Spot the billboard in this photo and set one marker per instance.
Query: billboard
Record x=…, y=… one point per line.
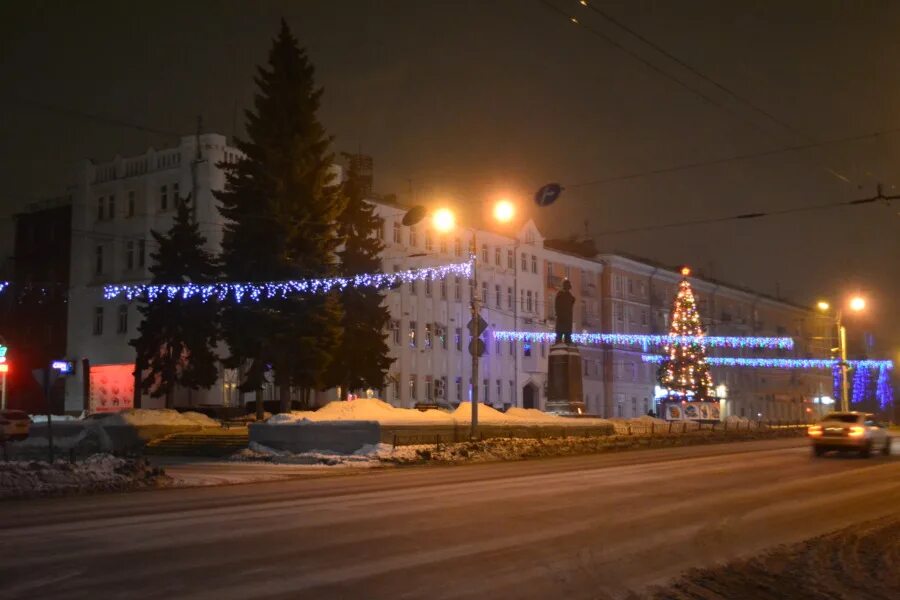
x=691, y=411
x=112, y=387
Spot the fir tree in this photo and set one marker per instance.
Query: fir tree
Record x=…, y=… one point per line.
x=684, y=373
x=280, y=208
x=362, y=360
x=177, y=338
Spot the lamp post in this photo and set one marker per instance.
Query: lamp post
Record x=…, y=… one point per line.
x=856, y=304
x=444, y=221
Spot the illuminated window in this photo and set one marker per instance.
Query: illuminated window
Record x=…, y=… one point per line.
x=398, y=239
x=429, y=335
x=412, y=334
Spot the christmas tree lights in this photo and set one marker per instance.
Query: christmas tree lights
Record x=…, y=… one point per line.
x=3, y=285
x=281, y=289
x=647, y=341
x=884, y=390
x=684, y=372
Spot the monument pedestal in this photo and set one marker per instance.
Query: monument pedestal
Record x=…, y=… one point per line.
x=565, y=393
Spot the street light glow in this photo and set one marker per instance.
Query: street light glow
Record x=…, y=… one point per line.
x=504, y=211
x=857, y=303
x=823, y=306
x=443, y=220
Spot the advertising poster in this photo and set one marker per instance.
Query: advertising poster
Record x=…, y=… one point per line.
x=692, y=411
x=112, y=388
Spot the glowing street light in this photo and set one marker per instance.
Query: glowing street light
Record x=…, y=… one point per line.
x=823, y=306
x=504, y=211
x=443, y=220
x=856, y=304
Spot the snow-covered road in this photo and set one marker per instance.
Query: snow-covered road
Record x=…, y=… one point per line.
x=583, y=527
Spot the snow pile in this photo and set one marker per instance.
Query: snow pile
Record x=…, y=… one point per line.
x=363, y=409
x=735, y=420
x=530, y=414
x=100, y=472
x=142, y=417
x=56, y=418
x=367, y=456
x=647, y=420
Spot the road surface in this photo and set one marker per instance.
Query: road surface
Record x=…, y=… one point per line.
x=582, y=527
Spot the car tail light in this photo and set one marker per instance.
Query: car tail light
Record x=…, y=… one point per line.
x=814, y=430
x=857, y=431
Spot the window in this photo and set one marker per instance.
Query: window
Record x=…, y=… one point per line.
x=457, y=290
x=486, y=390
x=397, y=234
x=98, y=320
x=175, y=198
x=459, y=389
x=618, y=284
x=441, y=332
x=497, y=347
x=163, y=198
x=443, y=289
x=111, y=207
x=413, y=239
x=129, y=254
x=443, y=245
x=509, y=298
x=142, y=252
x=512, y=347
x=98, y=258
x=499, y=391
x=429, y=242
x=428, y=286
x=526, y=348
x=412, y=388
x=412, y=334
x=643, y=317
x=528, y=302
x=484, y=292
x=484, y=253
x=413, y=286
x=510, y=259
x=123, y=319
x=457, y=339
x=497, y=255
x=379, y=231
x=630, y=285
x=429, y=387
x=429, y=335
x=457, y=247
x=549, y=272
x=543, y=349
x=533, y=263
x=512, y=392
x=395, y=331
x=567, y=270
x=100, y=208
x=440, y=387
x=396, y=388
x=130, y=204
x=498, y=296
x=524, y=262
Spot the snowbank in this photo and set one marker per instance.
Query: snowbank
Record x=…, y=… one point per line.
x=101, y=472
x=56, y=418
x=363, y=409
x=158, y=416
x=530, y=414
x=369, y=455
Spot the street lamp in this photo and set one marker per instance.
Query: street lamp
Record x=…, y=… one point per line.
x=444, y=221
x=856, y=304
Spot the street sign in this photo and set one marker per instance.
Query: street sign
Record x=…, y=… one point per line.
x=63, y=367
x=476, y=347
x=548, y=194
x=482, y=326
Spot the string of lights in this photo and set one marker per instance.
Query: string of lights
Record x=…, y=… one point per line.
x=281, y=289
x=884, y=391
x=782, y=363
x=647, y=341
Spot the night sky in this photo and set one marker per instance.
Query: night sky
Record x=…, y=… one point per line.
x=462, y=101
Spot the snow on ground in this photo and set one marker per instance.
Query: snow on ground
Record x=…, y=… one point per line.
x=367, y=456
x=158, y=416
x=100, y=472
x=56, y=418
x=371, y=409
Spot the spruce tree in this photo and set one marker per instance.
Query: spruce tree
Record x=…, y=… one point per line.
x=362, y=360
x=684, y=373
x=177, y=337
x=280, y=206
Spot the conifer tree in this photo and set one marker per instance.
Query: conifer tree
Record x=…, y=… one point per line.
x=177, y=337
x=684, y=373
x=362, y=360
x=280, y=206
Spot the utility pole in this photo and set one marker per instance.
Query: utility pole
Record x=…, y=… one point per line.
x=476, y=336
x=842, y=343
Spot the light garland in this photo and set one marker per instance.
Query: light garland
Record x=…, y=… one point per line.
x=884, y=391
x=281, y=289
x=860, y=386
x=782, y=363
x=3, y=285
x=647, y=341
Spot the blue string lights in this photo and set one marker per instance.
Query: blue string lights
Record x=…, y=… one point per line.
x=782, y=363
x=281, y=289
x=647, y=341
x=884, y=391
x=3, y=285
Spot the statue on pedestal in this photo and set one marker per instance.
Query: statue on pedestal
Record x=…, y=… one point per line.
x=564, y=304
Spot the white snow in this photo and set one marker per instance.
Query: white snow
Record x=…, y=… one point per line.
x=367, y=456
x=158, y=416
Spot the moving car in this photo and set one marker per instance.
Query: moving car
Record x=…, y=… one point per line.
x=14, y=425
x=854, y=431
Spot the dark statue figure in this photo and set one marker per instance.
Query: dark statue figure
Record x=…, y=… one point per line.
x=564, y=303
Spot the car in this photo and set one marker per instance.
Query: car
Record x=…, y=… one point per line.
x=14, y=425
x=850, y=431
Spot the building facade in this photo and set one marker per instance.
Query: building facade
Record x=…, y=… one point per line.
x=115, y=205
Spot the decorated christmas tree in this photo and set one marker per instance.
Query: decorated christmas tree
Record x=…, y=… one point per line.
x=684, y=373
